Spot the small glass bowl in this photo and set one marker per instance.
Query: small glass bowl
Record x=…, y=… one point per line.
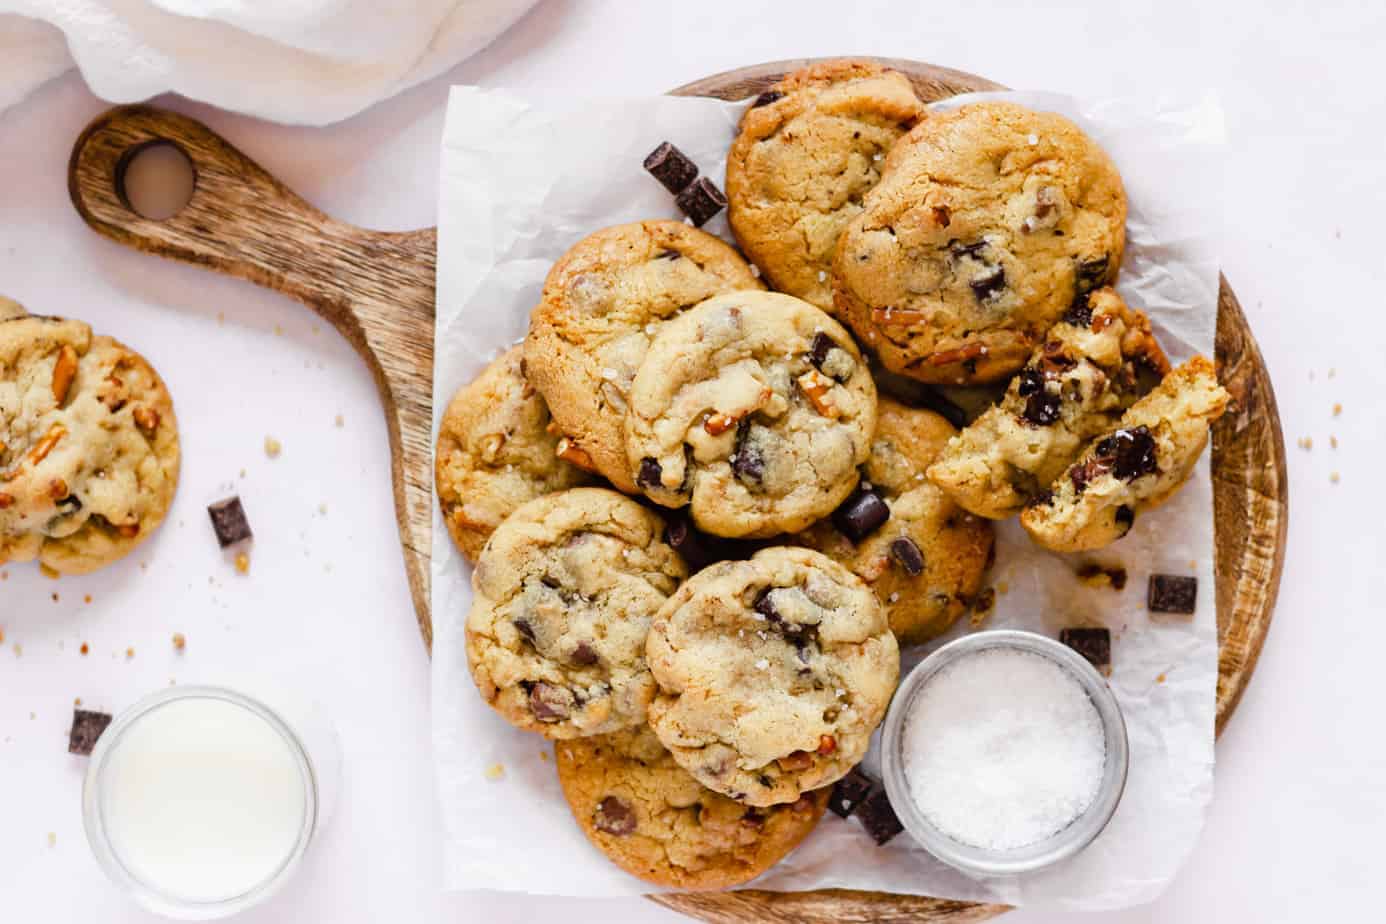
x=149, y=894
x=1063, y=844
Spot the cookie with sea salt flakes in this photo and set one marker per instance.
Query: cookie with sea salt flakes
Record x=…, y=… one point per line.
x=652, y=819
x=1090, y=368
x=1137, y=466
x=89, y=453
x=808, y=150
x=926, y=560
x=564, y=592
x=602, y=304
x=987, y=223
x=496, y=452
x=773, y=672
x=754, y=410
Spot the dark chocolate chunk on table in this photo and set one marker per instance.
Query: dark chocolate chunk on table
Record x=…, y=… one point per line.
x=229, y=522
x=1094, y=644
x=878, y=817
x=701, y=200
x=671, y=167
x=87, y=726
x=849, y=792
x=1172, y=593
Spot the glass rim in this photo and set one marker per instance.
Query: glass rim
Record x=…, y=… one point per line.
x=1065, y=843
x=149, y=894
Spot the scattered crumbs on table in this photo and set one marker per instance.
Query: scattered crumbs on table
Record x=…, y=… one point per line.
x=86, y=598
x=180, y=641
x=495, y=772
x=52, y=839
x=1337, y=409
x=983, y=606
x=1003, y=587
x=242, y=563
x=54, y=595
x=48, y=572
x=129, y=653
x=340, y=421
x=1305, y=442
x=1160, y=679
x=77, y=701
x=273, y=447
x=18, y=650
x=1333, y=442
x=278, y=330
x=1193, y=565
x=544, y=756
x=1333, y=477
x=84, y=650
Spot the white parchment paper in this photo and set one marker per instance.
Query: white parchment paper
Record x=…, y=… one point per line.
x=524, y=179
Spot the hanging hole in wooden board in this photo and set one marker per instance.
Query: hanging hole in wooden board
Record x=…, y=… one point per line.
x=155, y=180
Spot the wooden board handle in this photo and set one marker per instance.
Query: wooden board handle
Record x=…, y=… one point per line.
x=375, y=287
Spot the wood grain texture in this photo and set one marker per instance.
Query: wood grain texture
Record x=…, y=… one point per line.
x=377, y=288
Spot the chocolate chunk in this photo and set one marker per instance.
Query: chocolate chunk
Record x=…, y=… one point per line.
x=229, y=522
x=584, y=655
x=1095, y=645
x=671, y=167
x=650, y=473
x=1080, y=475
x=1042, y=408
x=701, y=200
x=752, y=818
x=523, y=627
x=766, y=607
x=908, y=555
x=960, y=250
x=989, y=284
x=1031, y=381
x=860, y=515
x=86, y=728
x=70, y=504
x=749, y=464
x=613, y=816
x=878, y=817
x=668, y=255
x=1131, y=453
x=766, y=98
x=831, y=359
x=822, y=343
x=689, y=543
x=1092, y=273
x=549, y=703
x=1172, y=593
x=1079, y=314
x=1125, y=516
x=849, y=792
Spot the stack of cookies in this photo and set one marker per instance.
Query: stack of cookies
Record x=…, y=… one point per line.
x=701, y=535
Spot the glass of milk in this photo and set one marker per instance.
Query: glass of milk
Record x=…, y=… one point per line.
x=201, y=802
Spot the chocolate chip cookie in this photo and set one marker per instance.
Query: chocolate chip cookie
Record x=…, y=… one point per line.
x=1134, y=468
x=565, y=590
x=603, y=302
x=89, y=451
x=1077, y=384
x=925, y=560
x=495, y=452
x=988, y=222
x=754, y=410
x=808, y=150
x=773, y=673
x=652, y=819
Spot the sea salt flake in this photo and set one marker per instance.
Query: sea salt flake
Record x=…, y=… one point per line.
x=762, y=664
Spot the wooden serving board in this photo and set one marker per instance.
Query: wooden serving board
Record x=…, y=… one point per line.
x=377, y=288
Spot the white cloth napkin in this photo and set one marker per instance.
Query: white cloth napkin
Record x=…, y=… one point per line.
x=300, y=61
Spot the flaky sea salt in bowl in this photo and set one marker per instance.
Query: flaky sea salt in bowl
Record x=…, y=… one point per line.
x=1004, y=752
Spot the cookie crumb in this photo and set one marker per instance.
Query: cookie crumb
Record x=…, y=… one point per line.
x=340, y=421
x=1337, y=409
x=1333, y=477
x=278, y=331
x=18, y=650
x=1160, y=679
x=1003, y=587
x=1306, y=442
x=48, y=572
x=84, y=650
x=221, y=317
x=54, y=595
x=242, y=563
x=322, y=509
x=180, y=641
x=86, y=598
x=129, y=653
x=77, y=701
x=544, y=756
x=1333, y=442
x=495, y=772
x=273, y=447
x=52, y=839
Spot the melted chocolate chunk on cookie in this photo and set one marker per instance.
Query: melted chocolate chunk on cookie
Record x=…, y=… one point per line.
x=1172, y=593
x=650, y=473
x=525, y=628
x=1081, y=475
x=1079, y=314
x=1092, y=273
x=549, y=703
x=1094, y=644
x=689, y=543
x=860, y=515
x=1125, y=517
x=700, y=201
x=849, y=792
x=1042, y=409
x=1131, y=453
x=958, y=250
x=671, y=167
x=830, y=359
x=766, y=607
x=614, y=816
x=766, y=98
x=904, y=551
x=878, y=817
x=87, y=726
x=584, y=655
x=748, y=463
x=1030, y=381
x=989, y=284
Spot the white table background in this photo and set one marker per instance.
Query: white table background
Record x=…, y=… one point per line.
x=1295, y=830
